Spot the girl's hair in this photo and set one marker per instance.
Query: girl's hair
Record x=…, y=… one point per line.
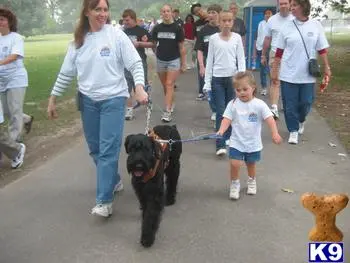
x=83, y=26
x=237, y=80
x=225, y=13
x=168, y=5
x=305, y=5
x=189, y=16
x=214, y=7
x=11, y=18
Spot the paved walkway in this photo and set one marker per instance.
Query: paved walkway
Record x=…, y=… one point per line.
x=45, y=215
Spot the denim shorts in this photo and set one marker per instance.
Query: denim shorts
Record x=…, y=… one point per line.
x=247, y=157
x=164, y=66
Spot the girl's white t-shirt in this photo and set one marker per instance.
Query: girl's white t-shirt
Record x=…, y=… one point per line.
x=247, y=118
x=294, y=64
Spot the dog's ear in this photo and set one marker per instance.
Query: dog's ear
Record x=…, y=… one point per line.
x=127, y=142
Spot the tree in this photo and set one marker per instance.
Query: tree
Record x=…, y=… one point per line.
x=341, y=6
x=30, y=14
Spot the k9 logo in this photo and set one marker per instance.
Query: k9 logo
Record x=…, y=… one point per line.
x=326, y=252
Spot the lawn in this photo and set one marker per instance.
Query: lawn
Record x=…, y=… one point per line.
x=334, y=104
x=43, y=58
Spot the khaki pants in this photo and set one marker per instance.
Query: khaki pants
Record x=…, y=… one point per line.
x=8, y=146
x=12, y=102
x=189, y=45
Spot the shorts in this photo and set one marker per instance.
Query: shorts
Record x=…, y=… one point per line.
x=252, y=157
x=130, y=80
x=171, y=65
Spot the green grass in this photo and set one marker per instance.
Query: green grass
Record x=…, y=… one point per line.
x=43, y=59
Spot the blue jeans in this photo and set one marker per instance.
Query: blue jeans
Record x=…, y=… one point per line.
x=264, y=70
x=222, y=93
x=103, y=124
x=297, y=101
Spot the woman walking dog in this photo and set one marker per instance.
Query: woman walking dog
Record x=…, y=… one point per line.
x=97, y=57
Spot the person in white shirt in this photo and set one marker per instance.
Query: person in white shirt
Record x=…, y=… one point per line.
x=13, y=75
x=97, y=57
x=225, y=59
x=299, y=41
x=260, y=36
x=245, y=115
x=273, y=28
x=13, y=150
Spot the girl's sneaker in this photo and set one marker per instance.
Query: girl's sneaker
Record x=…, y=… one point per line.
x=18, y=161
x=251, y=183
x=235, y=188
x=104, y=210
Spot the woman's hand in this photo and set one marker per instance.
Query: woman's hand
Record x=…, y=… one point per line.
x=183, y=67
x=327, y=72
x=51, y=108
x=141, y=95
x=201, y=71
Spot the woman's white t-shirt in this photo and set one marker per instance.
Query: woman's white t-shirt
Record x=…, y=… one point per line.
x=294, y=63
x=247, y=118
x=14, y=74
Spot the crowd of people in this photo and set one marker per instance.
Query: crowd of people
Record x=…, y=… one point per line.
x=214, y=45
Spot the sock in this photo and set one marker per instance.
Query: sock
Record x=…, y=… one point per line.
x=251, y=178
x=236, y=182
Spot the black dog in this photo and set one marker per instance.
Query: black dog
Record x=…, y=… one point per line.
x=148, y=161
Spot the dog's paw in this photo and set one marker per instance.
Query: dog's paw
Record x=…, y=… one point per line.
x=147, y=242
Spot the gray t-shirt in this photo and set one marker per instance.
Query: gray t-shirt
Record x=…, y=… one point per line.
x=239, y=27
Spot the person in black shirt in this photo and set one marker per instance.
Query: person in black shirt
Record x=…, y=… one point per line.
x=202, y=45
x=171, y=56
x=198, y=11
x=141, y=40
x=238, y=24
x=177, y=18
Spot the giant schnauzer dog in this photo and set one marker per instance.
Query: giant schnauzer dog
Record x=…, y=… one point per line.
x=148, y=161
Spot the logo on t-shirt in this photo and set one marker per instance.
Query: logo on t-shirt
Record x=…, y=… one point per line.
x=253, y=117
x=105, y=52
x=166, y=35
x=310, y=34
x=132, y=37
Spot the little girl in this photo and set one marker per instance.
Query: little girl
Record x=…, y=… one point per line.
x=245, y=114
x=225, y=59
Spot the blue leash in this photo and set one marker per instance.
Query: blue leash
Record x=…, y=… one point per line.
x=194, y=139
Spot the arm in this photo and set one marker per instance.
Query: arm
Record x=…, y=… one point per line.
x=145, y=42
x=327, y=68
x=182, y=56
x=240, y=57
x=200, y=58
x=209, y=66
x=266, y=46
x=65, y=77
x=8, y=59
x=225, y=124
x=276, y=138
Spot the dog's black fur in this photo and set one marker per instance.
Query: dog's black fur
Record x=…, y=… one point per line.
x=143, y=152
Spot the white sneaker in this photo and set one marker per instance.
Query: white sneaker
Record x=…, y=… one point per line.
x=129, y=115
x=213, y=116
x=263, y=92
x=251, y=183
x=104, y=210
x=118, y=187
x=18, y=161
x=301, y=127
x=166, y=117
x=221, y=152
x=293, y=138
x=275, y=113
x=234, y=190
